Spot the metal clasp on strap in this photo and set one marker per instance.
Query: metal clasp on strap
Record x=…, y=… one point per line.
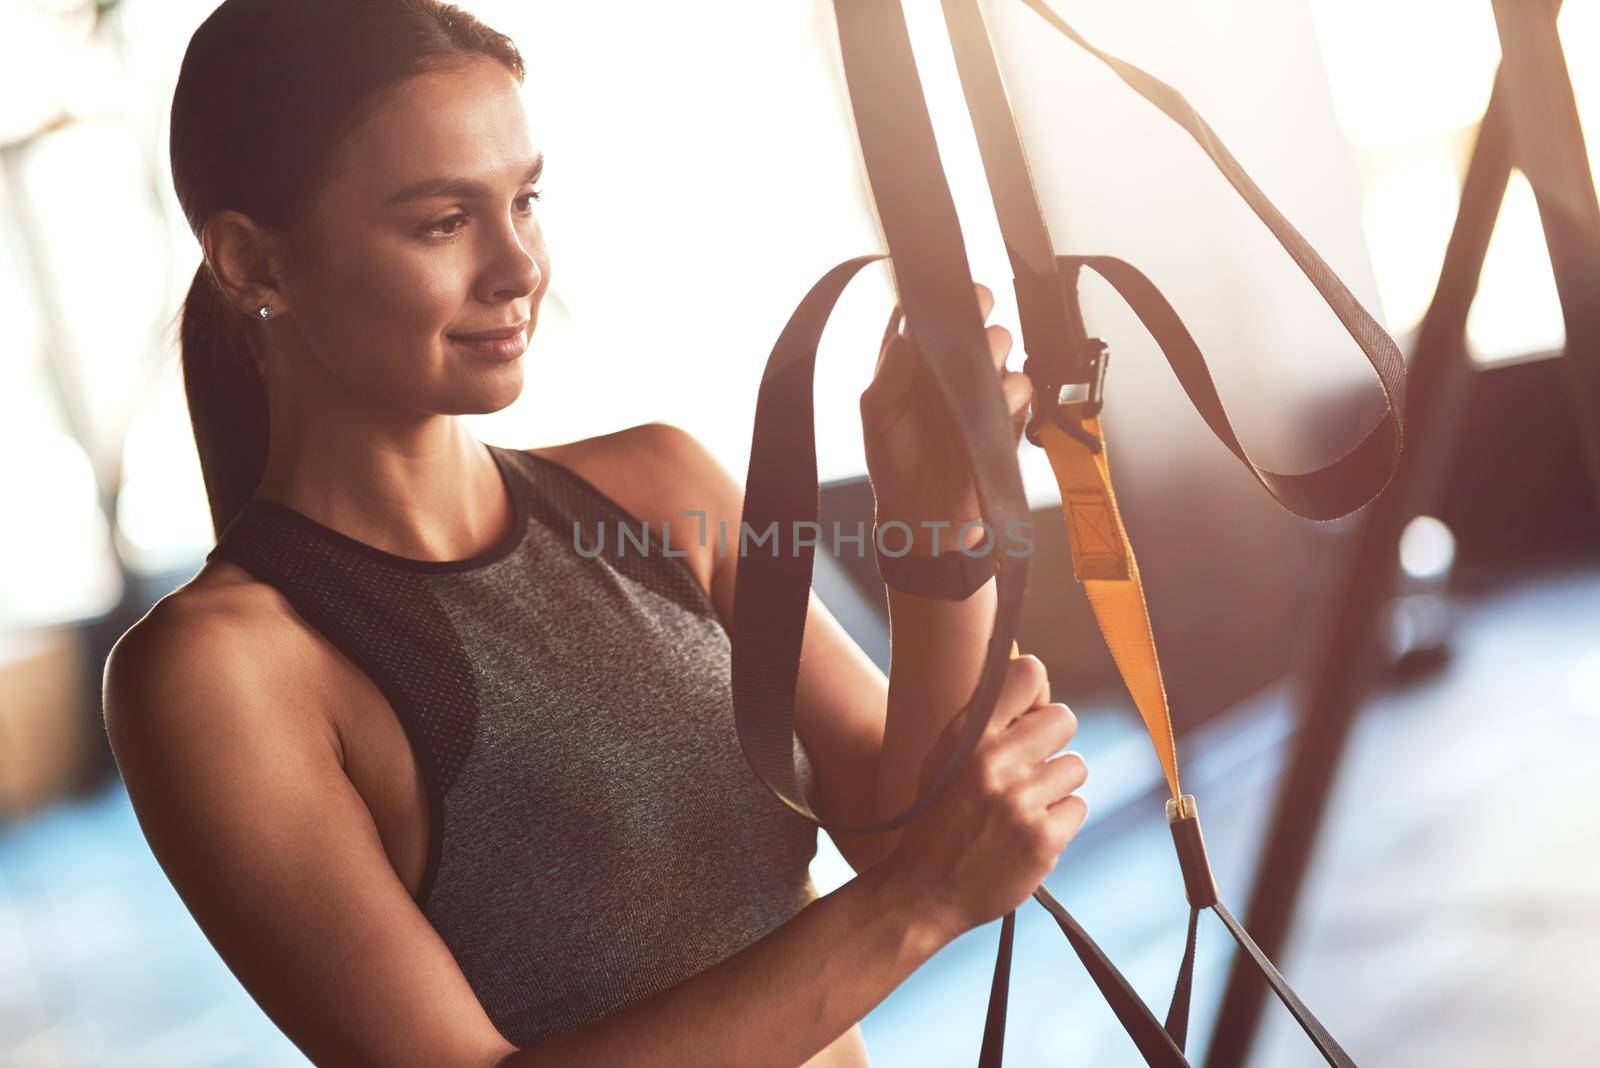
x=1066, y=404
x=1183, y=818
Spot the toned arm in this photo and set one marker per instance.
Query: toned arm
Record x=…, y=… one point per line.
x=236, y=776
x=779, y=1001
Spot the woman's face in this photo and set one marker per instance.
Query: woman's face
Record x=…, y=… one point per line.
x=418, y=268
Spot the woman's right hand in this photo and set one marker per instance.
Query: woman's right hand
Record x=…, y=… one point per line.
x=988, y=843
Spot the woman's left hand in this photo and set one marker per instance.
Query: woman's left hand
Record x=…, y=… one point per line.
x=916, y=457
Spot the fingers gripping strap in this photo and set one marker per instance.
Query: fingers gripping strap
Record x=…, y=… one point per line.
x=935, y=287
x=773, y=591
x=936, y=291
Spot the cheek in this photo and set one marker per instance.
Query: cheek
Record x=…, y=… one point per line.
x=377, y=308
x=417, y=293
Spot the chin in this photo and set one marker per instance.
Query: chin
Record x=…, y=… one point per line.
x=501, y=393
x=478, y=393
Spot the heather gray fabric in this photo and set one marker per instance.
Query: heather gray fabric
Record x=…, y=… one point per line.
x=595, y=833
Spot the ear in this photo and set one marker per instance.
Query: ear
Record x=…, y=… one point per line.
x=247, y=259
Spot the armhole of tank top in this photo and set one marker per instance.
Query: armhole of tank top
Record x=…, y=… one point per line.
x=708, y=607
x=432, y=781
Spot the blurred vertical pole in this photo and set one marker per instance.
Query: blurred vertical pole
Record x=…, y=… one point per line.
x=1531, y=122
x=1548, y=146
x=1344, y=661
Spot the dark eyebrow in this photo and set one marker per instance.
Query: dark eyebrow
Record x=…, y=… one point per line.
x=463, y=188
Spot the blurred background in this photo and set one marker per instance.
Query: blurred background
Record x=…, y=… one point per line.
x=702, y=173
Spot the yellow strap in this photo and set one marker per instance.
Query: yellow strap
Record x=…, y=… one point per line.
x=1103, y=562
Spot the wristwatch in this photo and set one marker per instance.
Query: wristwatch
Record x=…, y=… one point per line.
x=953, y=575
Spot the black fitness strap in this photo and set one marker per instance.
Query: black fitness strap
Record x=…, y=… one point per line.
x=936, y=292
x=1326, y=493
x=941, y=308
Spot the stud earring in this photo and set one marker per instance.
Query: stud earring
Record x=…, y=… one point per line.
x=265, y=311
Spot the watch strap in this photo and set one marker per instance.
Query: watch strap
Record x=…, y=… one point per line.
x=952, y=575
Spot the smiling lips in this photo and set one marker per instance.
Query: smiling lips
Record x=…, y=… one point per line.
x=502, y=343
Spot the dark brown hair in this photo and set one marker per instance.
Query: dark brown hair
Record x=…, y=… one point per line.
x=267, y=89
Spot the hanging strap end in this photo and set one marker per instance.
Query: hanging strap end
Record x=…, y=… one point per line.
x=1184, y=820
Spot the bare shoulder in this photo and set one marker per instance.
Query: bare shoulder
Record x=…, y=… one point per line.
x=651, y=469
x=220, y=648
x=217, y=717
x=662, y=473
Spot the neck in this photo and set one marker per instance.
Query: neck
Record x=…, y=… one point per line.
x=422, y=487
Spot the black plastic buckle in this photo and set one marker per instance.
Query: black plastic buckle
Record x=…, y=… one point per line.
x=1048, y=403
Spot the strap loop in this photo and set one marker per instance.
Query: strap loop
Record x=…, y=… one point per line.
x=922, y=231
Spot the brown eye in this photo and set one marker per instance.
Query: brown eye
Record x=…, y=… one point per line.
x=525, y=201
x=447, y=227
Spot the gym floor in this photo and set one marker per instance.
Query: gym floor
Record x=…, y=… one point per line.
x=1451, y=916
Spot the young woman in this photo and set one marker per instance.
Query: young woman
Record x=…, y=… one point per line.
x=441, y=789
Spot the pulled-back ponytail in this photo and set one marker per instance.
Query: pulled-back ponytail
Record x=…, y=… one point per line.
x=227, y=395
x=267, y=89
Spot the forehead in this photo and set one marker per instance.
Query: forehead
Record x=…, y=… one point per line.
x=462, y=121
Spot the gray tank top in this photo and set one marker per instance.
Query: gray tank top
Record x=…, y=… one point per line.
x=595, y=834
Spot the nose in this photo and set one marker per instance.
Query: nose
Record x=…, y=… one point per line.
x=512, y=272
